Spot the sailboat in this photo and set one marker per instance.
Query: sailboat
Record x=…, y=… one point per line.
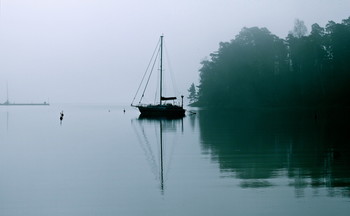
x=163, y=108
x=8, y=103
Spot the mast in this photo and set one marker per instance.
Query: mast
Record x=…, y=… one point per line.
x=161, y=69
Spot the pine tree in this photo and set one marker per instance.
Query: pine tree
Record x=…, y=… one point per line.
x=192, y=93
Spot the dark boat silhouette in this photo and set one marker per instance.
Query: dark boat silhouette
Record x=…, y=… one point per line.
x=163, y=108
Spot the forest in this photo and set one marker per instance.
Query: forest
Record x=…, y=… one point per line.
x=259, y=69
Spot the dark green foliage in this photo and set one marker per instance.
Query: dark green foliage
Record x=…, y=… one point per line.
x=258, y=68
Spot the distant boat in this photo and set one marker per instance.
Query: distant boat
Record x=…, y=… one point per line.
x=8, y=103
x=163, y=108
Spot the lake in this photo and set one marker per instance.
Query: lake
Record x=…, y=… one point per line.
x=102, y=161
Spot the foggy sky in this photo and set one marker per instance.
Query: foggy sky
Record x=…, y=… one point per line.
x=98, y=50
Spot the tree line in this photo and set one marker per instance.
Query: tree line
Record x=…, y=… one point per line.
x=259, y=69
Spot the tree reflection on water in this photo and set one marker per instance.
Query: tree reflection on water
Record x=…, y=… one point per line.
x=311, y=148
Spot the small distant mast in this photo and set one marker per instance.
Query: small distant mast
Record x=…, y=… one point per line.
x=8, y=103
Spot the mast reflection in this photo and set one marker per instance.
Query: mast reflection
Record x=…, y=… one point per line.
x=156, y=134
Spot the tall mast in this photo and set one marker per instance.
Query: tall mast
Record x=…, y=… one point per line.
x=161, y=68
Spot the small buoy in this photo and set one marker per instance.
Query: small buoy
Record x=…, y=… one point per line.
x=61, y=117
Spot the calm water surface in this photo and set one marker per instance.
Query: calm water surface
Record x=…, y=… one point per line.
x=102, y=161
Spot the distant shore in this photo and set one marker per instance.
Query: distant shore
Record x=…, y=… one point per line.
x=25, y=104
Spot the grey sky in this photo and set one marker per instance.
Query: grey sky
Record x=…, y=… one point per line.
x=97, y=50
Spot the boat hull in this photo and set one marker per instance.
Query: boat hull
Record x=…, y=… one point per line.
x=161, y=111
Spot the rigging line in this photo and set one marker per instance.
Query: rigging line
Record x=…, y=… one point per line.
x=150, y=151
x=156, y=92
x=149, y=76
x=144, y=75
x=147, y=150
x=140, y=141
x=171, y=71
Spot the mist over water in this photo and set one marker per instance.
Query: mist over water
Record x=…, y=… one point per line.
x=102, y=161
x=89, y=153
x=96, y=51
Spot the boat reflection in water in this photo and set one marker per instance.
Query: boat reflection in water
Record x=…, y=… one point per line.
x=157, y=138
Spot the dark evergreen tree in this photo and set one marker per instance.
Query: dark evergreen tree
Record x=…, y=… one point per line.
x=245, y=71
x=192, y=93
x=259, y=69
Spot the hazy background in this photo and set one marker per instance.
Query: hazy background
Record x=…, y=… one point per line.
x=97, y=50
